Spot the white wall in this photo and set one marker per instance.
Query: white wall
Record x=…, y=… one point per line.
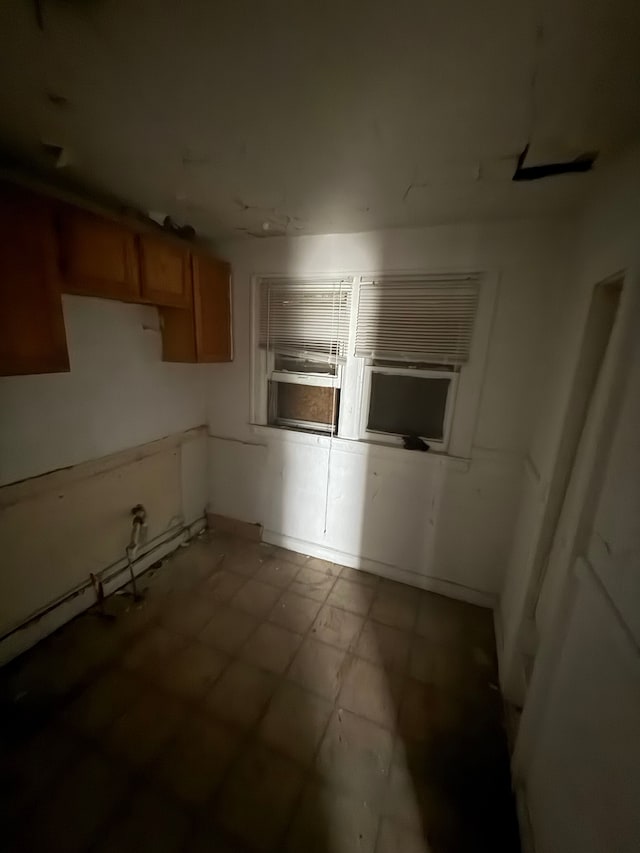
x=583, y=783
x=577, y=753
x=607, y=245
x=119, y=393
x=100, y=423
x=443, y=524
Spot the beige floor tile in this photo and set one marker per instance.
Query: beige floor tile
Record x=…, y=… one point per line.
x=131, y=616
x=355, y=755
x=295, y=612
x=277, y=572
x=426, y=711
x=102, y=702
x=139, y=734
x=371, y=692
x=421, y=808
x=245, y=560
x=149, y=821
x=395, y=838
x=187, y=614
x=238, y=756
x=351, y=596
x=34, y=765
x=395, y=605
x=192, y=671
x=440, y=619
x=422, y=660
x=318, y=668
x=312, y=584
x=259, y=797
x=359, y=576
x=337, y=627
x=454, y=669
x=295, y=722
x=228, y=628
x=385, y=646
x=325, y=566
x=405, y=797
x=461, y=673
x=35, y=672
x=256, y=598
x=328, y=821
x=221, y=585
x=86, y=644
x=73, y=810
x=154, y=647
x=189, y=566
x=271, y=647
x=290, y=556
x=193, y=764
x=241, y=694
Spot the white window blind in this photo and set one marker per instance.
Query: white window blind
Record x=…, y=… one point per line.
x=415, y=318
x=306, y=317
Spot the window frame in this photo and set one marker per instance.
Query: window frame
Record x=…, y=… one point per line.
x=421, y=372
x=315, y=380
x=324, y=380
x=469, y=383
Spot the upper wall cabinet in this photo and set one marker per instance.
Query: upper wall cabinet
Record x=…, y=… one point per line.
x=165, y=272
x=48, y=247
x=98, y=257
x=32, y=334
x=201, y=333
x=212, y=308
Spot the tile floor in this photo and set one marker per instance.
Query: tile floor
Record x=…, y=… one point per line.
x=258, y=700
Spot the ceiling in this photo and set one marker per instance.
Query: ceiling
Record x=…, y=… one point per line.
x=264, y=117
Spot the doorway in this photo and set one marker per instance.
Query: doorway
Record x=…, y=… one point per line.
x=579, y=420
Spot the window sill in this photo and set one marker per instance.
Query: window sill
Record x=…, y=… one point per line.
x=361, y=448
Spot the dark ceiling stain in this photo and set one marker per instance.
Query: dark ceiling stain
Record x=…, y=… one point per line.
x=39, y=13
x=190, y=159
x=58, y=100
x=583, y=163
x=52, y=150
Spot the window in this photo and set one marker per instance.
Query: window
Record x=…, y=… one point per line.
x=303, y=393
x=389, y=351
x=408, y=402
x=415, y=319
x=416, y=335
x=310, y=407
x=304, y=335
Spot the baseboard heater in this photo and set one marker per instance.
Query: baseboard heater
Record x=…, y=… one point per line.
x=47, y=619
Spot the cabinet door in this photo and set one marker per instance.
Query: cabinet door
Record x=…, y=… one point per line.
x=212, y=308
x=165, y=272
x=98, y=257
x=178, y=335
x=32, y=334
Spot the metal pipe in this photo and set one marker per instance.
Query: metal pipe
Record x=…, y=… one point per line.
x=139, y=523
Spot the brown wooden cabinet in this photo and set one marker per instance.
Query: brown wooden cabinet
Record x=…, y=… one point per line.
x=50, y=246
x=32, y=333
x=212, y=308
x=98, y=256
x=201, y=333
x=165, y=272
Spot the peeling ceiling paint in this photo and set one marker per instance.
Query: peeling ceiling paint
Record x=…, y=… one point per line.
x=319, y=118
